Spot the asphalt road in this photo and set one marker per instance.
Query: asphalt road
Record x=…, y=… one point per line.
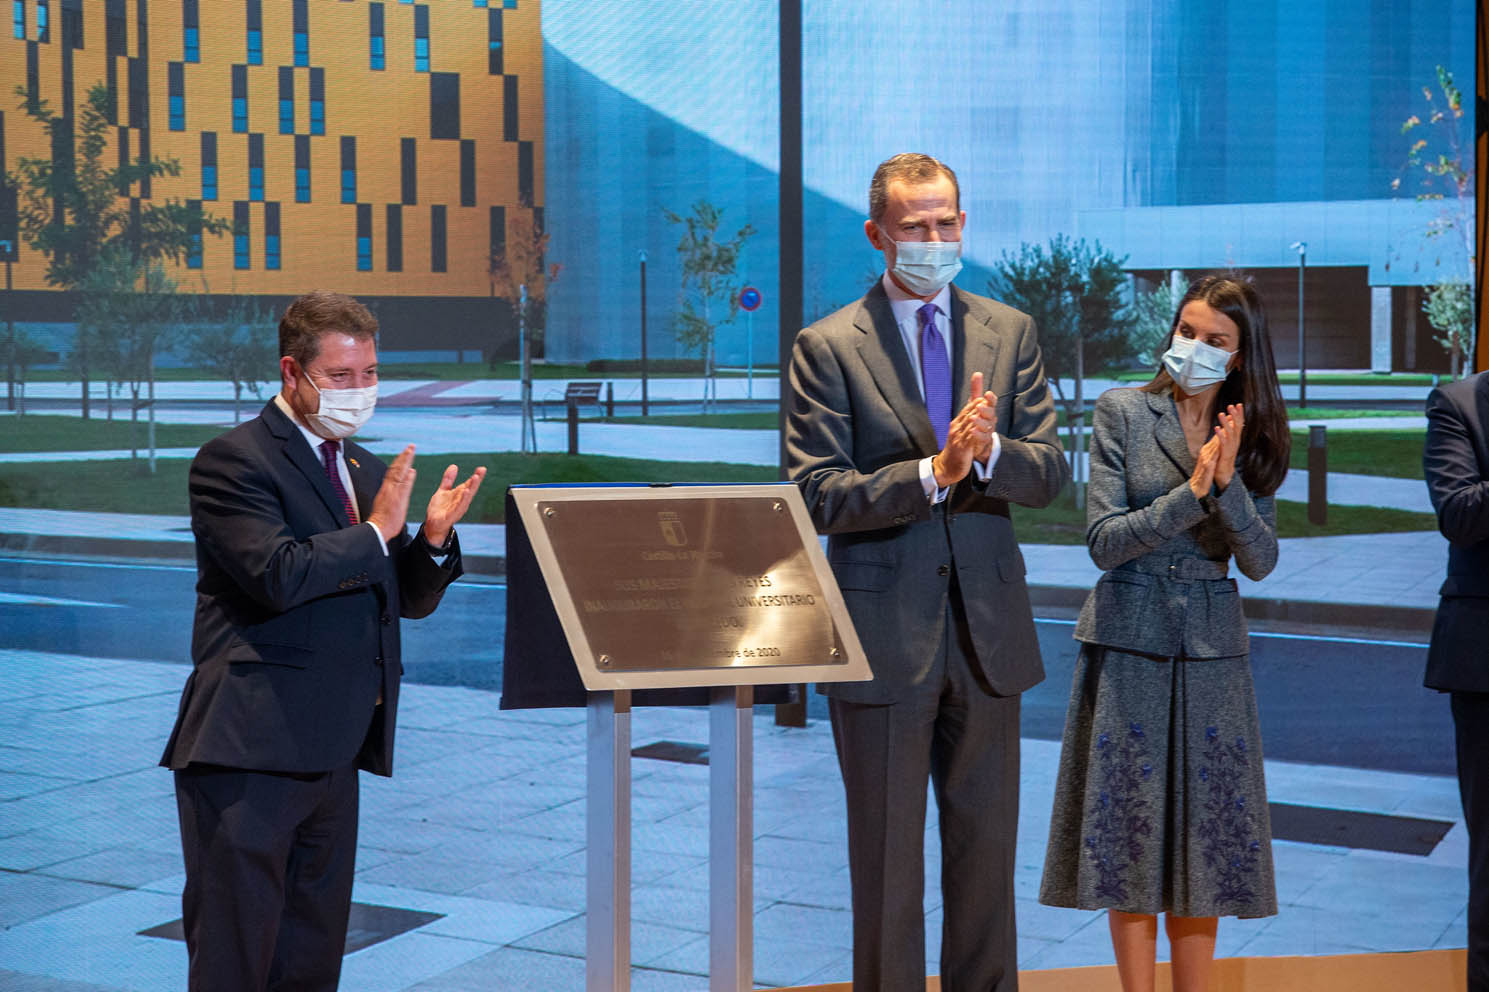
x=1323, y=700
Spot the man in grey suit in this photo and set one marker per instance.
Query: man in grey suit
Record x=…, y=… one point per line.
x=915, y=501
x=1455, y=463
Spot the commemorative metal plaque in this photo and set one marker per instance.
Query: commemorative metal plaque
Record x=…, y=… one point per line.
x=659, y=587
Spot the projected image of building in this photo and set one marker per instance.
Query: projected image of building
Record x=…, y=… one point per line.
x=1184, y=136
x=379, y=149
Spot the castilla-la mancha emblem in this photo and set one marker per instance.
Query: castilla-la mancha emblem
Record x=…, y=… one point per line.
x=672, y=529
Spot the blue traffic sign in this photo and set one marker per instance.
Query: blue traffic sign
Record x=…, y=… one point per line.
x=750, y=298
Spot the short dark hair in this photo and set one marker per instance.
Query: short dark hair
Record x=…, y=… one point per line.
x=1266, y=442
x=321, y=312
x=906, y=167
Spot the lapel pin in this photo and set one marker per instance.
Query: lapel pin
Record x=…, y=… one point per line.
x=354, y=462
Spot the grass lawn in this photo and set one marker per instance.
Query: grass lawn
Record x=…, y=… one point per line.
x=1062, y=523
x=122, y=486
x=48, y=432
x=1397, y=454
x=125, y=487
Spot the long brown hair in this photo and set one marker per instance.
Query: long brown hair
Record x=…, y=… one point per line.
x=1266, y=443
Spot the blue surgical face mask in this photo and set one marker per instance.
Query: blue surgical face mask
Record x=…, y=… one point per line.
x=1194, y=365
x=923, y=267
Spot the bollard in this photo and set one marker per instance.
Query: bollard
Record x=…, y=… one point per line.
x=573, y=428
x=609, y=401
x=1318, y=475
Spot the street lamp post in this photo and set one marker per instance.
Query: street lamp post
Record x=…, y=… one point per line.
x=644, y=405
x=1301, y=247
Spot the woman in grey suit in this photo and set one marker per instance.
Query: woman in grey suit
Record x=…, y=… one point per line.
x=1160, y=805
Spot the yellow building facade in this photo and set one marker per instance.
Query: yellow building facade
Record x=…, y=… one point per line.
x=378, y=149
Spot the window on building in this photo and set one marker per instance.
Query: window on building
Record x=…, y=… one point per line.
x=494, y=42
x=271, y=235
x=18, y=18
x=286, y=100
x=256, y=167
x=255, y=14
x=241, y=258
x=209, y=165
x=364, y=237
x=317, y=101
x=191, y=31
x=175, y=78
x=301, y=19
x=421, y=38
x=194, y=234
x=377, y=40
x=349, y=169
x=43, y=20
x=72, y=25
x=498, y=239
x=302, y=168
x=240, y=99
x=444, y=105
x=408, y=167
x=509, y=108
x=467, y=173
x=395, y=238
x=437, y=238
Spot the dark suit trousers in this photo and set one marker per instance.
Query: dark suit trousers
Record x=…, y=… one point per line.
x=269, y=866
x=1471, y=723
x=952, y=731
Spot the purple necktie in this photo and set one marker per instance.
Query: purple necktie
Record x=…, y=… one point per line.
x=935, y=372
x=329, y=450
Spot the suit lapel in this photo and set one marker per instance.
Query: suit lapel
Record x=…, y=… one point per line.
x=976, y=349
x=306, y=461
x=883, y=353
x=1169, y=432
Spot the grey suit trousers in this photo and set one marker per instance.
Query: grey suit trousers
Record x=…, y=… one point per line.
x=951, y=730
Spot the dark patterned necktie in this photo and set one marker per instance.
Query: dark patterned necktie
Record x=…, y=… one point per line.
x=329, y=450
x=935, y=372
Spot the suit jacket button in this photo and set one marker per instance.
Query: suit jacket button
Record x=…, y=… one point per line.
x=378, y=661
x=942, y=570
x=386, y=619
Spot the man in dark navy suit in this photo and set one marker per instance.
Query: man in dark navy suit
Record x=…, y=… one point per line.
x=1455, y=463
x=303, y=568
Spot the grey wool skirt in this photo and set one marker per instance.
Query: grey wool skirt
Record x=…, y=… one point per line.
x=1161, y=804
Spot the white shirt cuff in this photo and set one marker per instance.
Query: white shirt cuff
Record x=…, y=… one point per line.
x=381, y=542
x=928, y=483
x=985, y=472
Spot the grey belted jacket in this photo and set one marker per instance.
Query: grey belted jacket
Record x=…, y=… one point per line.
x=1165, y=553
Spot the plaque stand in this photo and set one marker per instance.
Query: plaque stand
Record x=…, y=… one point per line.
x=731, y=841
x=720, y=588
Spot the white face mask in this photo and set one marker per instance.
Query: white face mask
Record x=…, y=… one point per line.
x=343, y=412
x=923, y=267
x=1194, y=365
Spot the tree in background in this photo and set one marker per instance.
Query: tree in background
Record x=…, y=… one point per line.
x=521, y=274
x=1152, y=316
x=708, y=287
x=1449, y=309
x=1074, y=292
x=130, y=312
x=1437, y=156
x=26, y=351
x=75, y=210
x=240, y=346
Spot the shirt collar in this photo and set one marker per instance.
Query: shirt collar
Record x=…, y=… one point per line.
x=904, y=306
x=311, y=438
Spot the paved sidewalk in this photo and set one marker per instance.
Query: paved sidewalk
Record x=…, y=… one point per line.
x=483, y=824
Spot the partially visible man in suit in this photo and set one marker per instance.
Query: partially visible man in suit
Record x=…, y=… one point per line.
x=303, y=568
x=915, y=501
x=1455, y=463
